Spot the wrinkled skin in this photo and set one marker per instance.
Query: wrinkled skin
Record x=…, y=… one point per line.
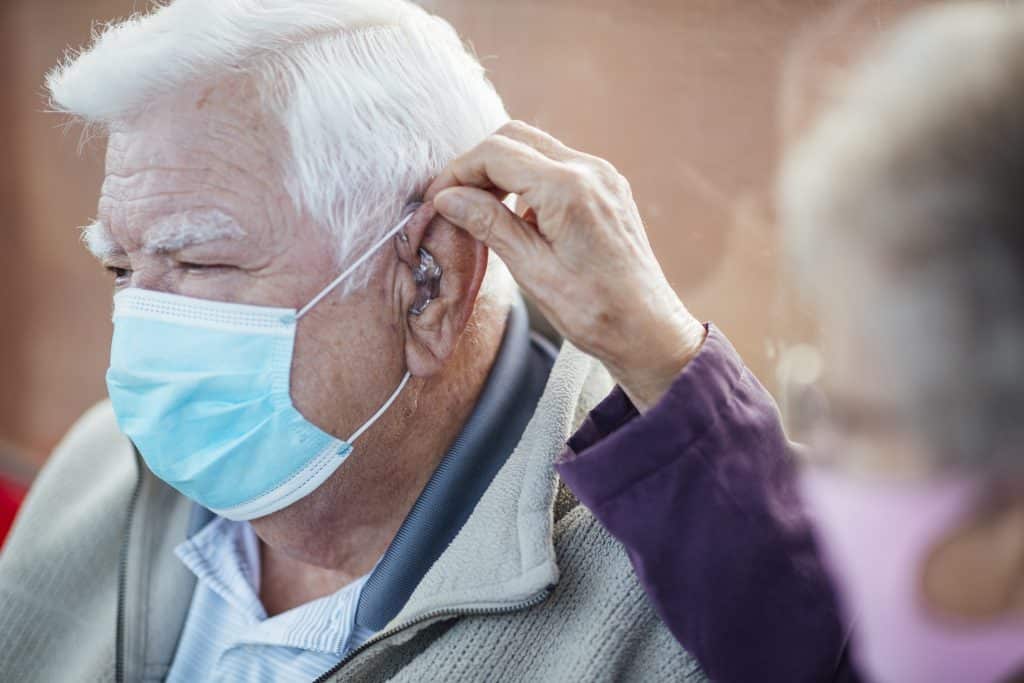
x=579, y=249
x=206, y=158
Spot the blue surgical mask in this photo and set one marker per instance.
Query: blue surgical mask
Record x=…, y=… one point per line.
x=202, y=390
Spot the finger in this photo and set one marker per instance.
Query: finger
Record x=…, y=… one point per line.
x=545, y=143
x=498, y=163
x=553, y=148
x=519, y=207
x=419, y=220
x=488, y=220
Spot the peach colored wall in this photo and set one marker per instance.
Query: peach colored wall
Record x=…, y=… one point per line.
x=679, y=94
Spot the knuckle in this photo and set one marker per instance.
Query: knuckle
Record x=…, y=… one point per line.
x=623, y=185
x=488, y=218
x=492, y=214
x=607, y=173
x=610, y=177
x=490, y=145
x=576, y=180
x=481, y=216
x=514, y=126
x=603, y=167
x=467, y=160
x=498, y=144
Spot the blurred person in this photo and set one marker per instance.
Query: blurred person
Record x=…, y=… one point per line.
x=903, y=211
x=329, y=447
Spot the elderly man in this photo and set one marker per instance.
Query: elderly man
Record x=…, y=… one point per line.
x=328, y=451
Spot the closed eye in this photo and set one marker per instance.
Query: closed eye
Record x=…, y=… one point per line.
x=121, y=275
x=204, y=267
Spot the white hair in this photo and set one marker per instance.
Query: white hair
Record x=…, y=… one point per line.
x=374, y=97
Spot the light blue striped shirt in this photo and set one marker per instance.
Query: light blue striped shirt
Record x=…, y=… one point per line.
x=227, y=635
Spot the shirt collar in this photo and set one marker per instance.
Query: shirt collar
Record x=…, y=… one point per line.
x=224, y=556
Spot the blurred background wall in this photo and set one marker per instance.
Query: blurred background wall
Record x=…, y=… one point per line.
x=681, y=95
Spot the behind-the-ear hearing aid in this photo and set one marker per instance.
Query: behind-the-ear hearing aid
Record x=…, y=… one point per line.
x=427, y=276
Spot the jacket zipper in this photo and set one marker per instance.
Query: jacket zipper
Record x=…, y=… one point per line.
x=122, y=578
x=436, y=614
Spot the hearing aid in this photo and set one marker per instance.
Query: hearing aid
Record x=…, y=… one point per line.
x=427, y=276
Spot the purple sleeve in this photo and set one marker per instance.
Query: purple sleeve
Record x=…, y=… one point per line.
x=701, y=492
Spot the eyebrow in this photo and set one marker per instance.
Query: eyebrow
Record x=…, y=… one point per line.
x=198, y=226
x=98, y=241
x=167, y=235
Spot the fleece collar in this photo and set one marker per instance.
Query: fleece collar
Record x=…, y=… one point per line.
x=504, y=554
x=506, y=405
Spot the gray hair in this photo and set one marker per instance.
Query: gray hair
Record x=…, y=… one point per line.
x=909, y=193
x=374, y=97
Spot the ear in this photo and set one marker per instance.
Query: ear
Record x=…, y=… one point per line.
x=433, y=329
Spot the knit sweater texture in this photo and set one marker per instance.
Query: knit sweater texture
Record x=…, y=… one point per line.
x=531, y=589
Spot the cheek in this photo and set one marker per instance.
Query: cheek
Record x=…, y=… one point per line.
x=318, y=373
x=344, y=362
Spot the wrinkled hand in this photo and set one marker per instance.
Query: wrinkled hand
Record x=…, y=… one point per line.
x=578, y=249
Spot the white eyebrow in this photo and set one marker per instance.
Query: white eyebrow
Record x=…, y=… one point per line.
x=98, y=241
x=198, y=226
x=169, y=234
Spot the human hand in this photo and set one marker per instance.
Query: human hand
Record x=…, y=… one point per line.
x=578, y=249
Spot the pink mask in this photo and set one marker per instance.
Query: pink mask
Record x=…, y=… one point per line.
x=876, y=539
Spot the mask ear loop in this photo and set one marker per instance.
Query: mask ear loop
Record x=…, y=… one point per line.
x=383, y=409
x=337, y=281
x=360, y=261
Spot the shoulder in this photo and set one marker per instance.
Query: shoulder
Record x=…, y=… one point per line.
x=61, y=557
x=591, y=558
x=93, y=455
x=598, y=582
x=96, y=428
x=87, y=480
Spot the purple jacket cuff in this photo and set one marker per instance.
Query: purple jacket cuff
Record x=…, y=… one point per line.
x=682, y=417
x=701, y=492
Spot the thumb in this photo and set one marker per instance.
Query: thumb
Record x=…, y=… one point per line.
x=479, y=213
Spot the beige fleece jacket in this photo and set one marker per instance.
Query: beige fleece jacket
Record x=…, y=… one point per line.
x=531, y=589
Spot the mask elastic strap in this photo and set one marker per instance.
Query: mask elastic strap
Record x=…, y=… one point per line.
x=337, y=281
x=360, y=261
x=383, y=409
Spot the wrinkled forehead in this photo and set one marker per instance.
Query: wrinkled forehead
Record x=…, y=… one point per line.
x=217, y=127
x=198, y=163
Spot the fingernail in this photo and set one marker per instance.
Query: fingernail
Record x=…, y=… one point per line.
x=451, y=204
